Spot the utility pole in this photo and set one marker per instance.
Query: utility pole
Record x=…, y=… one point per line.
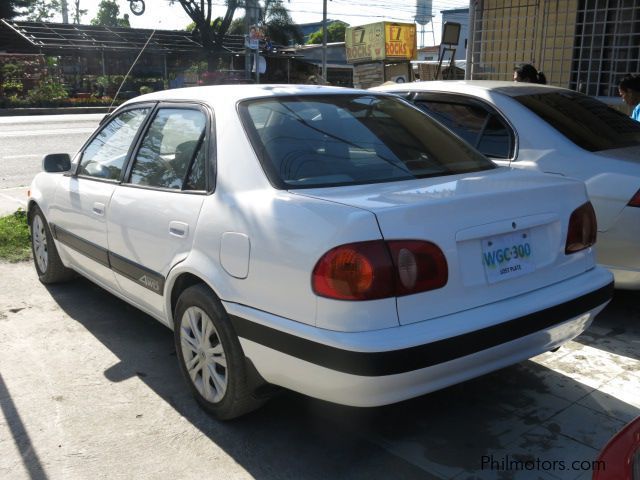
x=65, y=11
x=324, y=40
x=251, y=18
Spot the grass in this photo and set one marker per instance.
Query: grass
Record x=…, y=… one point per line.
x=15, y=245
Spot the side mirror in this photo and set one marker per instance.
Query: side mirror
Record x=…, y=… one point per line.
x=56, y=162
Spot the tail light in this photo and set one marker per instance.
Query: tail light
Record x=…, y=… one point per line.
x=635, y=200
x=582, y=229
x=620, y=458
x=379, y=269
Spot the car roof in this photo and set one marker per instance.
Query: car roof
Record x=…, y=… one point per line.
x=512, y=89
x=234, y=93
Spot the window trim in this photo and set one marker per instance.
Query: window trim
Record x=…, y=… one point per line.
x=208, y=142
x=444, y=97
x=104, y=124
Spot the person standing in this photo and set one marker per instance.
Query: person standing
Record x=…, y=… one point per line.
x=528, y=73
x=629, y=89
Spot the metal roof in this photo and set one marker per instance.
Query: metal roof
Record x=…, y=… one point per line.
x=18, y=36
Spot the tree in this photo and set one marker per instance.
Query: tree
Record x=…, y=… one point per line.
x=210, y=32
x=276, y=24
x=42, y=10
x=335, y=33
x=13, y=8
x=78, y=12
x=107, y=15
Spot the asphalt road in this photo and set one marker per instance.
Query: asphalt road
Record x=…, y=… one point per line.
x=25, y=140
x=90, y=388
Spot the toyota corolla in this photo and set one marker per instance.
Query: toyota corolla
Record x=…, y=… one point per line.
x=336, y=242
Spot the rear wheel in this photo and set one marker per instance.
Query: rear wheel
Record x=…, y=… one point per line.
x=211, y=357
x=45, y=254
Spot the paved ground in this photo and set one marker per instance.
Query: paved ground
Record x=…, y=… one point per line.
x=23, y=143
x=90, y=388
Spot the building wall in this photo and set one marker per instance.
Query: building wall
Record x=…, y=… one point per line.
x=585, y=45
x=607, y=45
x=511, y=32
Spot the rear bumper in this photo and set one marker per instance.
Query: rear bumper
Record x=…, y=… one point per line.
x=385, y=366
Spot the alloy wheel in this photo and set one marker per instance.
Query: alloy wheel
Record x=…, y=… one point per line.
x=203, y=354
x=39, y=239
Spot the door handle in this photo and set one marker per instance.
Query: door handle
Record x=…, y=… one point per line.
x=178, y=229
x=98, y=208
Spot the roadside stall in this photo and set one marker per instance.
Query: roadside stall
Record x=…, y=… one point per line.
x=381, y=52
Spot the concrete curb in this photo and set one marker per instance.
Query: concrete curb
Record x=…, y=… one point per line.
x=7, y=112
x=11, y=199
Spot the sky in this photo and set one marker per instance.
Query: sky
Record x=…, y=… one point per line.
x=162, y=15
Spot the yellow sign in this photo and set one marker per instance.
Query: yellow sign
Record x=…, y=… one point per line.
x=365, y=43
x=380, y=41
x=400, y=40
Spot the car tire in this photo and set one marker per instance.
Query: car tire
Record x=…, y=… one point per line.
x=211, y=357
x=45, y=254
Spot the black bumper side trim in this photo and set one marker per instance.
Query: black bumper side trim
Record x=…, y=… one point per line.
x=149, y=279
x=137, y=273
x=421, y=356
x=91, y=250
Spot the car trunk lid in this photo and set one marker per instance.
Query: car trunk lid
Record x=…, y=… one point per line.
x=476, y=219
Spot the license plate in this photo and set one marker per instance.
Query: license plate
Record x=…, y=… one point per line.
x=507, y=256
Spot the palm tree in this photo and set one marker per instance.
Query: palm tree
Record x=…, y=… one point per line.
x=276, y=23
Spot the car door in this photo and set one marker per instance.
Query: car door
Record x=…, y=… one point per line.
x=80, y=211
x=153, y=213
x=475, y=121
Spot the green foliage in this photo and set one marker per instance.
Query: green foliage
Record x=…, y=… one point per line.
x=237, y=27
x=12, y=87
x=11, y=79
x=107, y=15
x=42, y=10
x=47, y=91
x=12, y=70
x=14, y=237
x=335, y=33
x=276, y=23
x=13, y=8
x=145, y=89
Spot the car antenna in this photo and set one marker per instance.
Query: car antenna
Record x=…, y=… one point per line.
x=132, y=65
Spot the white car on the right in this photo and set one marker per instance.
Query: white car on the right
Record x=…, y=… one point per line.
x=554, y=130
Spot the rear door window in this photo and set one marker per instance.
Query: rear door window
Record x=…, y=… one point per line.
x=585, y=121
x=477, y=123
x=329, y=140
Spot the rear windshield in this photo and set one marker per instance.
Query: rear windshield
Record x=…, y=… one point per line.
x=585, y=121
x=330, y=140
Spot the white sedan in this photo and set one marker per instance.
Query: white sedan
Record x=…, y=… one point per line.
x=558, y=131
x=335, y=242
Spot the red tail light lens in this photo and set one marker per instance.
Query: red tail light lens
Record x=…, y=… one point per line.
x=582, y=229
x=635, y=200
x=378, y=269
x=356, y=271
x=620, y=458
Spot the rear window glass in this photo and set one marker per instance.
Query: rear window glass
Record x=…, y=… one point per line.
x=585, y=121
x=331, y=140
